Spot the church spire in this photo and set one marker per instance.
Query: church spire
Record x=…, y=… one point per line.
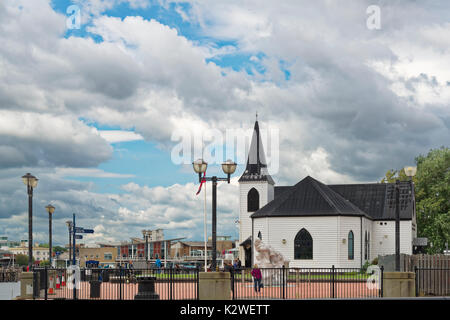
x=256, y=168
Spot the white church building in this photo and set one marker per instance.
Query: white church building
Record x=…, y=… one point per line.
x=317, y=225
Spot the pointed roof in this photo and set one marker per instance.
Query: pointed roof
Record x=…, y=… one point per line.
x=309, y=197
x=256, y=169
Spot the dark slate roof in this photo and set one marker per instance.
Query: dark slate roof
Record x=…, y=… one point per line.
x=378, y=199
x=256, y=169
x=309, y=197
x=375, y=200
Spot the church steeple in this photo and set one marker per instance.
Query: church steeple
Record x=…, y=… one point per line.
x=256, y=168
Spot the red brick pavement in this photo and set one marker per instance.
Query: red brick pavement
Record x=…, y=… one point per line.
x=187, y=290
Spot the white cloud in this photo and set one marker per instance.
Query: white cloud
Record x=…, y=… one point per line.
x=89, y=172
x=358, y=102
x=115, y=136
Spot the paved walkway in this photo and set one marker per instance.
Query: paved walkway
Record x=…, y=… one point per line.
x=188, y=290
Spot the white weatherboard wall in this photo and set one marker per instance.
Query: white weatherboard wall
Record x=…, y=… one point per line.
x=323, y=230
x=384, y=237
x=327, y=234
x=367, y=226
x=266, y=194
x=345, y=225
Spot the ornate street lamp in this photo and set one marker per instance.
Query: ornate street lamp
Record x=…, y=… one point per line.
x=228, y=167
x=50, y=210
x=31, y=182
x=410, y=172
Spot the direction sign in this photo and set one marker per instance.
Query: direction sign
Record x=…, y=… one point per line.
x=88, y=231
x=78, y=230
x=78, y=236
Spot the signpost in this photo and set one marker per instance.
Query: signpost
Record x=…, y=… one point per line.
x=76, y=230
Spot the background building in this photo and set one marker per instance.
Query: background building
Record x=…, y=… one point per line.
x=101, y=256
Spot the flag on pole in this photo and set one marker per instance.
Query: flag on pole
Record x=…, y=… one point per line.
x=201, y=183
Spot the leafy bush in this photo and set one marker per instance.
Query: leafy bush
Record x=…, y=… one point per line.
x=365, y=266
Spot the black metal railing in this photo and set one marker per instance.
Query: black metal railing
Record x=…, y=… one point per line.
x=118, y=284
x=308, y=283
x=432, y=281
x=9, y=275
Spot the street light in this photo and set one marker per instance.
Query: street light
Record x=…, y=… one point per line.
x=228, y=167
x=410, y=172
x=50, y=210
x=31, y=182
x=69, y=225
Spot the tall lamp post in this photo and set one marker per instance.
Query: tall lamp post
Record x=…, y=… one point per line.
x=69, y=225
x=50, y=210
x=410, y=172
x=228, y=167
x=31, y=182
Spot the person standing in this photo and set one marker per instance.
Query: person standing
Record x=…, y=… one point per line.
x=158, y=265
x=256, y=274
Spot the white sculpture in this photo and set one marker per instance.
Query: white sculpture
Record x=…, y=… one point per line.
x=268, y=257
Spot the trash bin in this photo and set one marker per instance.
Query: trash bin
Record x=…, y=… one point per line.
x=95, y=288
x=36, y=285
x=83, y=275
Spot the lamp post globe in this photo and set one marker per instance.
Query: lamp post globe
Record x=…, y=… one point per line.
x=50, y=209
x=31, y=182
x=229, y=167
x=410, y=171
x=200, y=165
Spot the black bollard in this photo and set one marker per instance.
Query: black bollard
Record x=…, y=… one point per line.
x=146, y=289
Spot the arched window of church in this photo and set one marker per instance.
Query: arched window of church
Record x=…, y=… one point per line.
x=303, y=245
x=259, y=235
x=351, y=245
x=252, y=200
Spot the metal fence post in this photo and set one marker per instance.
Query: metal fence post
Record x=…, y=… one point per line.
x=416, y=280
x=232, y=283
x=283, y=282
x=332, y=281
x=170, y=284
x=198, y=282
x=382, y=277
x=120, y=283
x=74, y=283
x=45, y=286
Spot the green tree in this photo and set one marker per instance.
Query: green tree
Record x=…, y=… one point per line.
x=22, y=259
x=392, y=175
x=432, y=191
x=433, y=198
x=59, y=249
x=44, y=263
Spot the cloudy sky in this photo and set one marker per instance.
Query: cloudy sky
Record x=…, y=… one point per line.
x=93, y=98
